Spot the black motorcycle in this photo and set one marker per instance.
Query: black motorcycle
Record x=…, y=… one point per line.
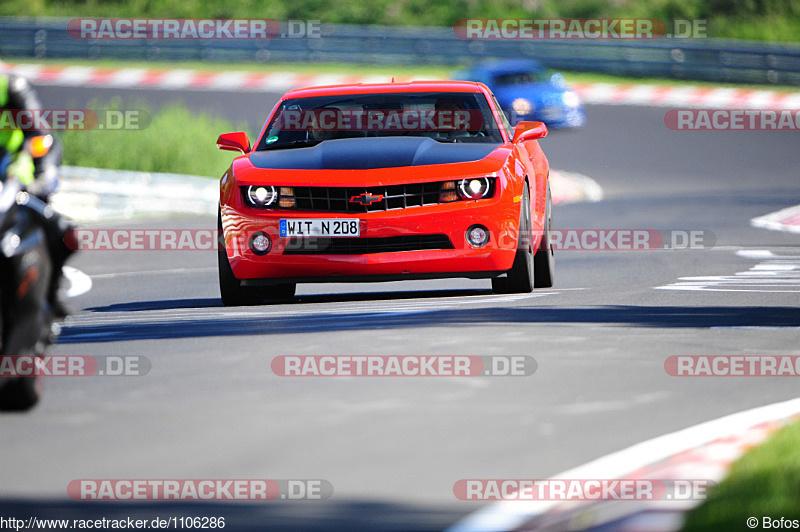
x=29, y=228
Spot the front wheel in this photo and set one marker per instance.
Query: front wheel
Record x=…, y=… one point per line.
x=230, y=289
x=519, y=279
x=232, y=292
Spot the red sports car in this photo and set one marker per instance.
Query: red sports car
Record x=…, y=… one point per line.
x=384, y=182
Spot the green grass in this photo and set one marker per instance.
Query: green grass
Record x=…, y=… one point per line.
x=176, y=140
x=765, y=482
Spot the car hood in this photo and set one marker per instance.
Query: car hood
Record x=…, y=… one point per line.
x=371, y=153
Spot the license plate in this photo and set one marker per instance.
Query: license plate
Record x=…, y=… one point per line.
x=336, y=227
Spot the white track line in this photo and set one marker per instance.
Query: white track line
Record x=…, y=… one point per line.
x=774, y=274
x=152, y=272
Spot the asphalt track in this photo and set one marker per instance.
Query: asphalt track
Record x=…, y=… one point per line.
x=393, y=448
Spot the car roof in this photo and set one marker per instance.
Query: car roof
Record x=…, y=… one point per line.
x=379, y=88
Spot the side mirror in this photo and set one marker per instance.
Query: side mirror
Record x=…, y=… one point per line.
x=529, y=130
x=237, y=141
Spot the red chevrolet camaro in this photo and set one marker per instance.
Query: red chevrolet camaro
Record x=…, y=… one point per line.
x=384, y=182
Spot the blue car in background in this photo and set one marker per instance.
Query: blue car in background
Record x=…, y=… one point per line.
x=526, y=90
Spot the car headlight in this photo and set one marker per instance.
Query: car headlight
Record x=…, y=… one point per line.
x=571, y=99
x=261, y=195
x=474, y=188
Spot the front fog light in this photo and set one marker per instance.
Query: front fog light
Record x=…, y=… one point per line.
x=260, y=243
x=477, y=236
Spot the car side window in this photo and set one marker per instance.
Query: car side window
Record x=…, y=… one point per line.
x=504, y=118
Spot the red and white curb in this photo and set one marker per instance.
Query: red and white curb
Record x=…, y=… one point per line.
x=703, y=451
x=783, y=220
x=677, y=96
x=179, y=79
x=244, y=81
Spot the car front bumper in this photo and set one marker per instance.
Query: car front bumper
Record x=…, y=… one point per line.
x=500, y=215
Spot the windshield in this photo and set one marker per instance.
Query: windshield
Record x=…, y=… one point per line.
x=442, y=116
x=523, y=78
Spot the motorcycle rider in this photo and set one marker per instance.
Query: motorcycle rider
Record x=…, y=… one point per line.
x=37, y=171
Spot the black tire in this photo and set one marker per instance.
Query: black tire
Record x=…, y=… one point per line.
x=16, y=394
x=230, y=289
x=20, y=395
x=544, y=262
x=519, y=279
x=232, y=292
x=279, y=291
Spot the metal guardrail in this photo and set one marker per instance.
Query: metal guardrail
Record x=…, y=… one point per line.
x=696, y=59
x=96, y=194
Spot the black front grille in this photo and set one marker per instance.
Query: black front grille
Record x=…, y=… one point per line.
x=337, y=199
x=364, y=246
